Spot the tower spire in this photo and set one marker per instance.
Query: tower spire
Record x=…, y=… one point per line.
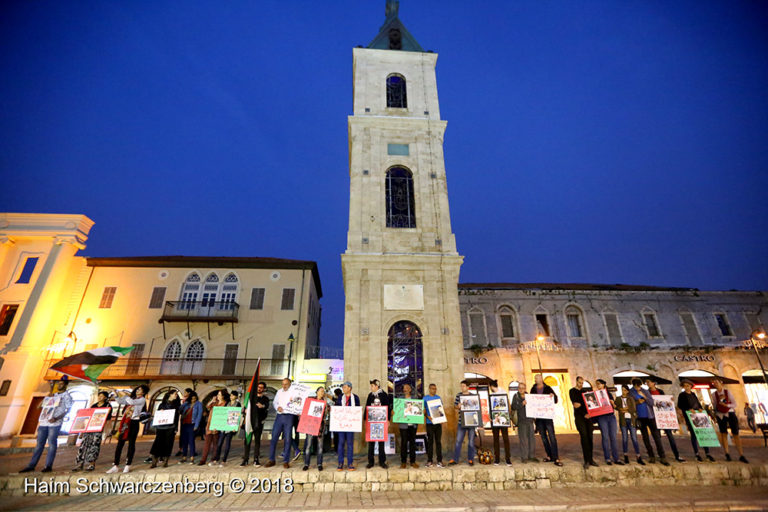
x=393, y=34
x=392, y=8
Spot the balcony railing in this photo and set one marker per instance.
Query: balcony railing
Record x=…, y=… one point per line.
x=158, y=368
x=200, y=311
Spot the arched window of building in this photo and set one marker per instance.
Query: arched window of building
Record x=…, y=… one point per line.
x=171, y=357
x=507, y=325
x=405, y=361
x=651, y=323
x=401, y=207
x=229, y=291
x=210, y=290
x=574, y=319
x=477, y=331
x=193, y=360
x=189, y=291
x=396, y=96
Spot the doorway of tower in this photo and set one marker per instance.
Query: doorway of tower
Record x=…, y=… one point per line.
x=405, y=358
x=560, y=382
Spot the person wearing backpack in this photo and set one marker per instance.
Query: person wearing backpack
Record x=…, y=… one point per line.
x=725, y=412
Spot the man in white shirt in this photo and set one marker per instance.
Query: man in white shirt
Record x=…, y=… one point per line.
x=282, y=426
x=54, y=408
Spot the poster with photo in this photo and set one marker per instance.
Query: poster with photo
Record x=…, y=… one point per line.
x=81, y=421
x=499, y=402
x=703, y=429
x=436, y=410
x=377, y=413
x=50, y=403
x=485, y=407
x=164, y=417
x=597, y=402
x=665, y=412
x=470, y=418
x=389, y=446
x=540, y=406
x=346, y=419
x=500, y=419
x=298, y=393
x=225, y=419
x=469, y=402
x=311, y=420
x=377, y=431
x=408, y=410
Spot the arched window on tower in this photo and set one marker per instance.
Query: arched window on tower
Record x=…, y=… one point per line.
x=396, y=97
x=405, y=361
x=401, y=207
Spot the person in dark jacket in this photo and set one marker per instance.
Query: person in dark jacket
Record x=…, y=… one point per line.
x=670, y=437
x=583, y=422
x=407, y=434
x=260, y=416
x=347, y=439
x=377, y=397
x=184, y=400
x=688, y=401
x=162, y=446
x=546, y=427
x=625, y=406
x=525, y=427
x=647, y=421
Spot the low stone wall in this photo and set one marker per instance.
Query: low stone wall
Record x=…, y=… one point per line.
x=457, y=478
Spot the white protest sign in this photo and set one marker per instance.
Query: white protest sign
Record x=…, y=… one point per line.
x=539, y=406
x=298, y=392
x=346, y=419
x=664, y=410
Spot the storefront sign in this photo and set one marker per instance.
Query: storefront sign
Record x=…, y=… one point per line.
x=694, y=357
x=475, y=360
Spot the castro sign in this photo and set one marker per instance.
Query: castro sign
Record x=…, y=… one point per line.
x=475, y=360
x=694, y=357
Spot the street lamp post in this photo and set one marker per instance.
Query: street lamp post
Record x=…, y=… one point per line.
x=291, y=339
x=758, y=337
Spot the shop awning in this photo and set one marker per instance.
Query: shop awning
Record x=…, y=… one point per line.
x=708, y=380
x=627, y=381
x=753, y=379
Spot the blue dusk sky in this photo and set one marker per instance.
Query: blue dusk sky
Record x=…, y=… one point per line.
x=602, y=141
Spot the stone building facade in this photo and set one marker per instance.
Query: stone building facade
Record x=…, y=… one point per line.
x=599, y=331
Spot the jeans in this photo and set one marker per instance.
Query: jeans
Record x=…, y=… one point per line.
x=133, y=433
x=647, y=424
x=282, y=426
x=225, y=442
x=607, y=425
x=546, y=430
x=496, y=448
x=256, y=441
x=585, y=426
x=348, y=439
x=628, y=430
x=310, y=443
x=51, y=435
x=460, y=434
x=434, y=437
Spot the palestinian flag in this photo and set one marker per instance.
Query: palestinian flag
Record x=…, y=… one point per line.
x=251, y=414
x=88, y=365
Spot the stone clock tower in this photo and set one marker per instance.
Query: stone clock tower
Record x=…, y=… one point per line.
x=401, y=266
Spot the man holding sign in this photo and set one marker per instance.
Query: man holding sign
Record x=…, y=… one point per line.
x=282, y=426
x=377, y=398
x=347, y=439
x=688, y=401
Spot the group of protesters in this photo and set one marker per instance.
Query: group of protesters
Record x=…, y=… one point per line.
x=630, y=411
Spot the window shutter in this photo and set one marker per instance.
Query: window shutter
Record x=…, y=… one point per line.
x=257, y=298
x=107, y=297
x=612, y=325
x=288, y=298
x=158, y=297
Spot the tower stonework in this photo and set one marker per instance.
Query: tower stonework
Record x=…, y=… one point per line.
x=401, y=266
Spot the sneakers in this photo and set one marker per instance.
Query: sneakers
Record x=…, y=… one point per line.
x=77, y=468
x=319, y=467
x=256, y=463
x=305, y=468
x=679, y=459
x=428, y=465
x=652, y=459
x=593, y=463
x=244, y=463
x=496, y=463
x=618, y=463
x=369, y=465
x=728, y=457
x=440, y=465
x=640, y=461
x=127, y=469
x=710, y=458
x=663, y=461
x=698, y=458
x=298, y=454
x=452, y=462
x=340, y=468
x=743, y=459
x=46, y=469
x=509, y=463
x=626, y=459
x=269, y=464
x=471, y=462
x=351, y=468
x=608, y=463
x=384, y=465
x=26, y=470
x=113, y=469
x=90, y=467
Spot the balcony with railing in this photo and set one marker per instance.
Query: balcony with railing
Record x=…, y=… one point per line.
x=200, y=311
x=158, y=368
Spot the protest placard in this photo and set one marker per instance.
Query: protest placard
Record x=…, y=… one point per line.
x=485, y=408
x=436, y=410
x=164, y=417
x=597, y=402
x=297, y=393
x=665, y=412
x=311, y=421
x=407, y=410
x=703, y=429
x=346, y=419
x=539, y=406
x=225, y=419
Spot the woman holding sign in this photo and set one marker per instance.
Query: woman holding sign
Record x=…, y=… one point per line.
x=310, y=441
x=91, y=445
x=165, y=434
x=607, y=425
x=408, y=433
x=212, y=436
